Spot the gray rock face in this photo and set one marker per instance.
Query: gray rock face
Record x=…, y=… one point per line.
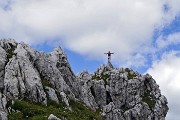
x=3, y=59
x=25, y=72
x=7, y=44
x=3, y=110
x=64, y=98
x=123, y=94
x=3, y=115
x=46, y=64
x=52, y=94
x=120, y=94
x=21, y=78
x=59, y=58
x=85, y=90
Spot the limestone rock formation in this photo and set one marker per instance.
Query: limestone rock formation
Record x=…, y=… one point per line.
x=53, y=117
x=52, y=94
x=118, y=93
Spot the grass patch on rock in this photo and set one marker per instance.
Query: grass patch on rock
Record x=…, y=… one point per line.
x=131, y=74
x=27, y=110
x=10, y=52
x=147, y=99
x=46, y=82
x=15, y=116
x=101, y=77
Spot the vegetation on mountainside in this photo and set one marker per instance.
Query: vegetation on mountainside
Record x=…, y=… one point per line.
x=10, y=52
x=33, y=111
x=46, y=82
x=130, y=75
x=102, y=76
x=146, y=98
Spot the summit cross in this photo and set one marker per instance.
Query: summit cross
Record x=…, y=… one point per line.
x=109, y=55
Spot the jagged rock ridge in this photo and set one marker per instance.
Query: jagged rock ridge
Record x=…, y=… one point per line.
x=119, y=93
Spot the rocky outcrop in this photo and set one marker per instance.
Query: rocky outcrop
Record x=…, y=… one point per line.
x=21, y=78
x=119, y=93
x=65, y=98
x=53, y=117
x=85, y=90
x=3, y=60
x=123, y=94
x=3, y=110
x=51, y=76
x=52, y=94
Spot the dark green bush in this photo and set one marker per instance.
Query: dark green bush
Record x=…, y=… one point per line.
x=30, y=112
x=101, y=77
x=96, y=77
x=130, y=76
x=39, y=117
x=55, y=104
x=46, y=82
x=15, y=116
x=147, y=99
x=10, y=52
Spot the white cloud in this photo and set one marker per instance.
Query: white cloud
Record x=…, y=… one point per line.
x=114, y=24
x=167, y=74
x=172, y=39
x=174, y=10
x=88, y=27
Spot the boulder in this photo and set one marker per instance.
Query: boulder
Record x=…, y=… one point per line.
x=52, y=94
x=53, y=117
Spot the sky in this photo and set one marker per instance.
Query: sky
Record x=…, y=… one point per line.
x=143, y=34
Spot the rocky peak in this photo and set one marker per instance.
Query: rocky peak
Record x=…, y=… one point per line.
x=58, y=55
x=7, y=43
x=123, y=94
x=109, y=64
x=47, y=79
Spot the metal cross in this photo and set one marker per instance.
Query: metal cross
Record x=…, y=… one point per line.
x=109, y=55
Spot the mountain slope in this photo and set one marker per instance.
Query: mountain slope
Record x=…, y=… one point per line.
x=46, y=85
